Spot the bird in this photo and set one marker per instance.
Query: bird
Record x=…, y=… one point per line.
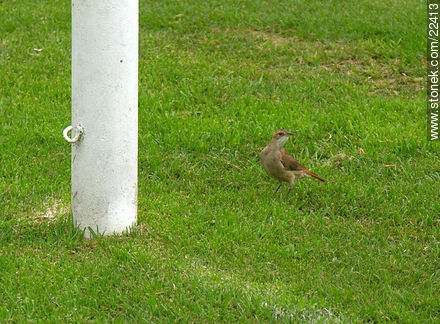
x=280, y=165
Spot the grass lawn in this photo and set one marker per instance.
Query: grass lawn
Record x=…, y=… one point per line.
x=213, y=242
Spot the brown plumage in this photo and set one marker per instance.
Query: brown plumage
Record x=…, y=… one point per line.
x=290, y=164
x=279, y=164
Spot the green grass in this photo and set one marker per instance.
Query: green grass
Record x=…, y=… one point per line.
x=213, y=243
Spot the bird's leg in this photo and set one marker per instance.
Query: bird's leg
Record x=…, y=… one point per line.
x=290, y=189
x=278, y=188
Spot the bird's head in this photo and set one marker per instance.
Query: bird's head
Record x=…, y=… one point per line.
x=281, y=136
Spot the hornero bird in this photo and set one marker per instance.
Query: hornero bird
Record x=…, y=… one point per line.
x=280, y=165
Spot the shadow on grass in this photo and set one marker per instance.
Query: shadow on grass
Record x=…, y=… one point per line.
x=30, y=233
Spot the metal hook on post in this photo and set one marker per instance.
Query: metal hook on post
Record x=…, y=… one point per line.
x=77, y=136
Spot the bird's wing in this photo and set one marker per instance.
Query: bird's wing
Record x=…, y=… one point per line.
x=289, y=162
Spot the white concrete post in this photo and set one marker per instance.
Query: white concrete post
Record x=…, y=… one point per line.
x=105, y=105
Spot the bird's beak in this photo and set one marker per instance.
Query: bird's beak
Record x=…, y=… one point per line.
x=290, y=134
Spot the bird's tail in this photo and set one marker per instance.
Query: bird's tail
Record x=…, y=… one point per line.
x=314, y=175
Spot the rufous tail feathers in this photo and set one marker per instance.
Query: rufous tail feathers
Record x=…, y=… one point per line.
x=314, y=175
